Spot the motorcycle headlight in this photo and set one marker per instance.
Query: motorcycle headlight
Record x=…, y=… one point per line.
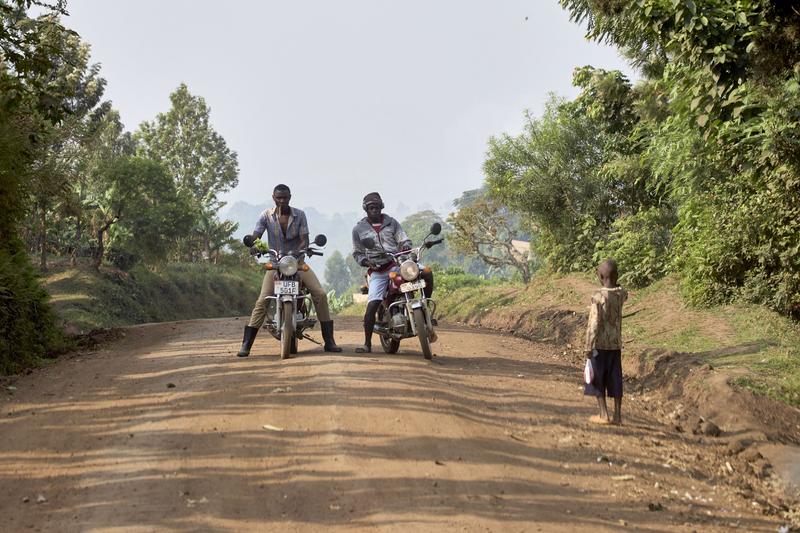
x=409, y=270
x=287, y=265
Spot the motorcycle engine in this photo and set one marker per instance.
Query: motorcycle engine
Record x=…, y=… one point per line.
x=398, y=322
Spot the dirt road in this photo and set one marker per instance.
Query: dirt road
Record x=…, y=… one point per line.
x=166, y=430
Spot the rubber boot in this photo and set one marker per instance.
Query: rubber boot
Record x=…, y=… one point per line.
x=247, y=342
x=327, y=336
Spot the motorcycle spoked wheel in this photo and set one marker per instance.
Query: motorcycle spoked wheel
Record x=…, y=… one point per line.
x=388, y=344
x=287, y=331
x=301, y=308
x=422, y=333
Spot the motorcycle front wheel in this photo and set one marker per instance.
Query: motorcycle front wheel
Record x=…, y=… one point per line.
x=287, y=330
x=388, y=344
x=422, y=333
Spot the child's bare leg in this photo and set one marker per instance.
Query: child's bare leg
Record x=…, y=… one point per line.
x=602, y=418
x=617, y=411
x=601, y=402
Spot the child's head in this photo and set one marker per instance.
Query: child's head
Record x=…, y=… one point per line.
x=607, y=273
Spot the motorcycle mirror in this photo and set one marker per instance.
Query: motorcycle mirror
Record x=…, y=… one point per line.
x=248, y=241
x=320, y=240
x=436, y=228
x=368, y=242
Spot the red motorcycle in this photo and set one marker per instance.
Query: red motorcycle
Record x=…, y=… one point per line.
x=405, y=311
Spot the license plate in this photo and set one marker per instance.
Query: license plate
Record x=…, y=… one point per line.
x=412, y=286
x=287, y=287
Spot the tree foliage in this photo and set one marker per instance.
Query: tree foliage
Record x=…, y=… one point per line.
x=27, y=329
x=69, y=184
x=726, y=149
x=575, y=170
x=200, y=162
x=337, y=275
x=485, y=228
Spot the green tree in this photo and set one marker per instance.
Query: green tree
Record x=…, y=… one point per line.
x=135, y=198
x=198, y=159
x=27, y=329
x=487, y=229
x=355, y=271
x=727, y=149
x=418, y=225
x=337, y=275
x=66, y=94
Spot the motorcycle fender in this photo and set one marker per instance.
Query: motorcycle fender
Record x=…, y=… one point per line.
x=287, y=298
x=416, y=304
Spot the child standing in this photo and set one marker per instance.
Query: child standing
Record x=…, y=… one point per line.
x=604, y=343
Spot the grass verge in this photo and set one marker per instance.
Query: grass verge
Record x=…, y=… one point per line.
x=760, y=347
x=85, y=300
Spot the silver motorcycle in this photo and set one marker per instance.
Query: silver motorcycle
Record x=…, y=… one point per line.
x=289, y=309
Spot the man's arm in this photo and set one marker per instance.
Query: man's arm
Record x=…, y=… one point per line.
x=303, y=229
x=261, y=225
x=359, y=252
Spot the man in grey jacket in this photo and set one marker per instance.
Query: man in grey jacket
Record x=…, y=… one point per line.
x=388, y=236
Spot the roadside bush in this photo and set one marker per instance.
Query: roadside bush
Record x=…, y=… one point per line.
x=337, y=303
x=454, y=278
x=27, y=330
x=639, y=243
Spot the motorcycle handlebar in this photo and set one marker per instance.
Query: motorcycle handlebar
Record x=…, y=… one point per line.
x=309, y=252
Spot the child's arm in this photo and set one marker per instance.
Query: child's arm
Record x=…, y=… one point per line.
x=591, y=328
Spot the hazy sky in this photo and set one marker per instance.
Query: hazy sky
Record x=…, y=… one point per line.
x=339, y=98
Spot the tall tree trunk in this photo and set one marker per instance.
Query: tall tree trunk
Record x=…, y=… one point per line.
x=76, y=246
x=42, y=235
x=98, y=254
x=98, y=258
x=78, y=229
x=207, y=247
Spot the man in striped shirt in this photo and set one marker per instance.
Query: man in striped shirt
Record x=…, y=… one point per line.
x=286, y=229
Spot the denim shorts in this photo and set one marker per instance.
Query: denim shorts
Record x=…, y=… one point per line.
x=379, y=284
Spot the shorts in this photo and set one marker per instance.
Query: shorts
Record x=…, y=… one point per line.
x=607, y=367
x=379, y=284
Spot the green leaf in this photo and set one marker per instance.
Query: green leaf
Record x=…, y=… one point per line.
x=741, y=17
x=702, y=120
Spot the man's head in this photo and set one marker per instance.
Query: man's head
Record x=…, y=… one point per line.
x=607, y=273
x=281, y=194
x=373, y=205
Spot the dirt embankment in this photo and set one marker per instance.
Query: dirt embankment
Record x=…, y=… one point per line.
x=686, y=390
x=86, y=300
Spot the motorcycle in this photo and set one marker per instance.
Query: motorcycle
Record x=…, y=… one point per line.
x=288, y=310
x=405, y=312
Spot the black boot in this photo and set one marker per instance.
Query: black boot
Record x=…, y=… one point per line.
x=247, y=342
x=327, y=336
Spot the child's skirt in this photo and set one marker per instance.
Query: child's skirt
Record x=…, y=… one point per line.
x=607, y=366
